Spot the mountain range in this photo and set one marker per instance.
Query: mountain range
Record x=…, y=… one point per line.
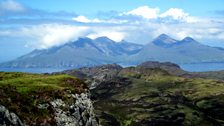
x=102, y=50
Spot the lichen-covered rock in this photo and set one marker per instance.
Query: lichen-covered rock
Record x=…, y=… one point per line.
x=78, y=114
x=44, y=100
x=8, y=118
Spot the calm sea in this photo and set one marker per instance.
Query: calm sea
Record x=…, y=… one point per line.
x=196, y=67
x=33, y=70
x=201, y=67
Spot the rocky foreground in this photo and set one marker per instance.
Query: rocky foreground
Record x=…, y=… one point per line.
x=150, y=94
x=44, y=100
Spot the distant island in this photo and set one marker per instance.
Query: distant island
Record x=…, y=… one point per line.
x=91, y=52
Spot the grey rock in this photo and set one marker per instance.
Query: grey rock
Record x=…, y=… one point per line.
x=43, y=106
x=8, y=118
x=78, y=114
x=57, y=102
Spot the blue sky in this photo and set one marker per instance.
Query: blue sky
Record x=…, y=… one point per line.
x=38, y=24
x=194, y=7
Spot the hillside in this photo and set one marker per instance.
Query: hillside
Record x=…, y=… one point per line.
x=153, y=93
x=33, y=99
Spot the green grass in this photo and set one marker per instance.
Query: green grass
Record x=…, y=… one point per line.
x=155, y=95
x=27, y=83
x=22, y=93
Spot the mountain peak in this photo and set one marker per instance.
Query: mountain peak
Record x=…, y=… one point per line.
x=189, y=39
x=164, y=40
x=103, y=39
x=163, y=36
x=124, y=41
x=84, y=39
x=81, y=42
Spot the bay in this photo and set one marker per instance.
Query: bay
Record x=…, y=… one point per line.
x=193, y=67
x=33, y=70
x=202, y=67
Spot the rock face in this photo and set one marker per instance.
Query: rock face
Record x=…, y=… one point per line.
x=78, y=114
x=44, y=100
x=8, y=118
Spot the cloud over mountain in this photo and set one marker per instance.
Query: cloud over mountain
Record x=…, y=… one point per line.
x=41, y=29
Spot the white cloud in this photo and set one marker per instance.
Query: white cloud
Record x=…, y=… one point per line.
x=81, y=19
x=48, y=35
x=178, y=14
x=154, y=13
x=84, y=19
x=5, y=33
x=175, y=13
x=221, y=35
x=10, y=5
x=113, y=35
x=144, y=11
x=174, y=22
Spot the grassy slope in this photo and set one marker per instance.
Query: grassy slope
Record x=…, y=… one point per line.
x=157, y=98
x=22, y=93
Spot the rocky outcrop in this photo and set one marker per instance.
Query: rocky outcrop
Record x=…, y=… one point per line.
x=8, y=118
x=78, y=114
x=171, y=68
x=95, y=75
x=44, y=100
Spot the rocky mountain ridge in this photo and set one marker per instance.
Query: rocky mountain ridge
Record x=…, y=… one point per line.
x=86, y=52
